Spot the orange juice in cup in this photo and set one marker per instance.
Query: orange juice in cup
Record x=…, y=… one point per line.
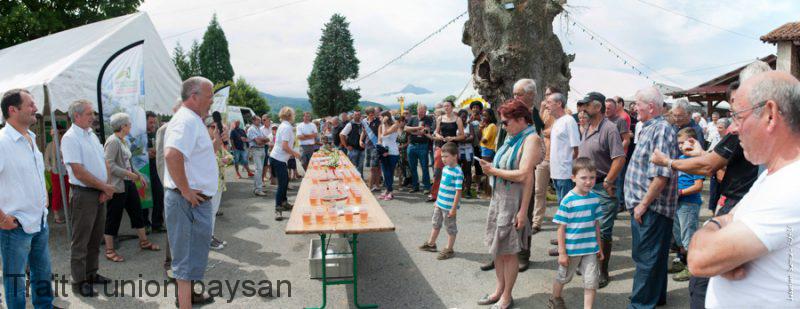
x=319, y=216
x=348, y=215
x=357, y=196
x=332, y=215
x=314, y=197
x=307, y=217
x=363, y=214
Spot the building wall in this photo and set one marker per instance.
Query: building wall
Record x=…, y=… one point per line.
x=788, y=58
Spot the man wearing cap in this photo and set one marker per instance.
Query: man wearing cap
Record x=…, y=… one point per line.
x=602, y=143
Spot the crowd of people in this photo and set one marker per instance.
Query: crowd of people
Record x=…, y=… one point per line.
x=643, y=157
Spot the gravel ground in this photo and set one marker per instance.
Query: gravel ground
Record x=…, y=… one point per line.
x=393, y=272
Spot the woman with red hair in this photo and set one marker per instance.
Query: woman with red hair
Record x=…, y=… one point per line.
x=512, y=178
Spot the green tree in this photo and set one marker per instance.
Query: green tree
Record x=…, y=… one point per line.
x=298, y=115
x=335, y=62
x=181, y=62
x=244, y=94
x=25, y=20
x=215, y=60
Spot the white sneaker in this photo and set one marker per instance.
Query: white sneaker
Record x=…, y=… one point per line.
x=259, y=193
x=215, y=245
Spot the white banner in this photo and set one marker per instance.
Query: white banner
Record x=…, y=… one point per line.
x=123, y=92
x=220, y=100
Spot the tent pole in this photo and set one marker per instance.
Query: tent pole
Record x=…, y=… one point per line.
x=58, y=161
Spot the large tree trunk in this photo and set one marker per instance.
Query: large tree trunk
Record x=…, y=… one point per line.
x=511, y=44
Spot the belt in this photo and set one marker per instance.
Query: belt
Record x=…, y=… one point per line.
x=82, y=188
x=203, y=196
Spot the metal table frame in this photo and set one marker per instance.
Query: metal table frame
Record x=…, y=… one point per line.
x=325, y=282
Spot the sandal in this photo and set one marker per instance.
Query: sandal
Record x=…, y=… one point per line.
x=112, y=255
x=486, y=300
x=59, y=221
x=147, y=245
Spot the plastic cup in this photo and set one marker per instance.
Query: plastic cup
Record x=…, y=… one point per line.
x=363, y=215
x=348, y=215
x=357, y=197
x=332, y=215
x=306, y=217
x=314, y=197
x=319, y=216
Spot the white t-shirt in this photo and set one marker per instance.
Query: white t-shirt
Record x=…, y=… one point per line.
x=564, y=135
x=770, y=210
x=285, y=133
x=637, y=130
x=187, y=133
x=306, y=128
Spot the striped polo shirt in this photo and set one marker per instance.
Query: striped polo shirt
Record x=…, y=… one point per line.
x=452, y=178
x=579, y=214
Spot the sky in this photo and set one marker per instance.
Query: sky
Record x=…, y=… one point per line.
x=273, y=42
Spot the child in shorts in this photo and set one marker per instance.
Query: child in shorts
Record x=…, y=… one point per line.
x=444, y=210
x=578, y=235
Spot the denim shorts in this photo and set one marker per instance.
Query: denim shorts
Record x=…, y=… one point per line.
x=240, y=157
x=371, y=157
x=189, y=233
x=486, y=152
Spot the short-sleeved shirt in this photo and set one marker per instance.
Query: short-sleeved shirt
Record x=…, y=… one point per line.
x=602, y=146
x=452, y=179
x=187, y=134
x=236, y=137
x=684, y=182
x=426, y=121
x=769, y=210
x=657, y=134
x=563, y=137
x=255, y=132
x=490, y=134
x=308, y=128
x=81, y=146
x=373, y=125
x=285, y=133
x=579, y=213
x=622, y=125
x=740, y=174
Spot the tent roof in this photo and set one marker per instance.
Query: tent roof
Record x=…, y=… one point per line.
x=69, y=63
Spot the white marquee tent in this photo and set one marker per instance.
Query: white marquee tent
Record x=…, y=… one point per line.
x=67, y=64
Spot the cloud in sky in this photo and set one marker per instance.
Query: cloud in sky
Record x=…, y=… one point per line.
x=275, y=49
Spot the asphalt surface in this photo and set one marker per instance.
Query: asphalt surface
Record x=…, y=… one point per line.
x=392, y=271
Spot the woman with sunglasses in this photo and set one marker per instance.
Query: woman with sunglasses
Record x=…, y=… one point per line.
x=223, y=159
x=449, y=128
x=511, y=172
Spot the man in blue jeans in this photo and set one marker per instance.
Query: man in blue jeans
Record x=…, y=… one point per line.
x=23, y=206
x=651, y=195
x=419, y=129
x=350, y=139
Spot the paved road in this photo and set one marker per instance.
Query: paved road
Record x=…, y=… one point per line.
x=393, y=272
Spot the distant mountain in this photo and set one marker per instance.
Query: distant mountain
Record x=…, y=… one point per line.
x=409, y=89
x=276, y=102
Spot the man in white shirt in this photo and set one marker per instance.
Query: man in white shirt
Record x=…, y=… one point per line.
x=307, y=134
x=564, y=141
x=257, y=143
x=23, y=205
x=749, y=253
x=191, y=179
x=88, y=175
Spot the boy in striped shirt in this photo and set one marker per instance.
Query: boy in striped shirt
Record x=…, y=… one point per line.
x=578, y=235
x=446, y=202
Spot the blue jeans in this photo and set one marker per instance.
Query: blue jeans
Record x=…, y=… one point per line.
x=685, y=223
x=388, y=163
x=419, y=153
x=608, y=205
x=562, y=187
x=620, y=184
x=650, y=253
x=20, y=249
x=281, y=171
x=356, y=157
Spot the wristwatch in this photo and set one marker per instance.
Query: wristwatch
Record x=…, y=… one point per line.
x=712, y=220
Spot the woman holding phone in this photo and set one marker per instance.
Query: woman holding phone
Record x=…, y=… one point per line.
x=511, y=172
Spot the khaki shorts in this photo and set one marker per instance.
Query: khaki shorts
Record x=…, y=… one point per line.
x=589, y=269
x=440, y=215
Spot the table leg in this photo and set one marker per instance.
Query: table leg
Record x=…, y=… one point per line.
x=324, y=275
x=355, y=275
